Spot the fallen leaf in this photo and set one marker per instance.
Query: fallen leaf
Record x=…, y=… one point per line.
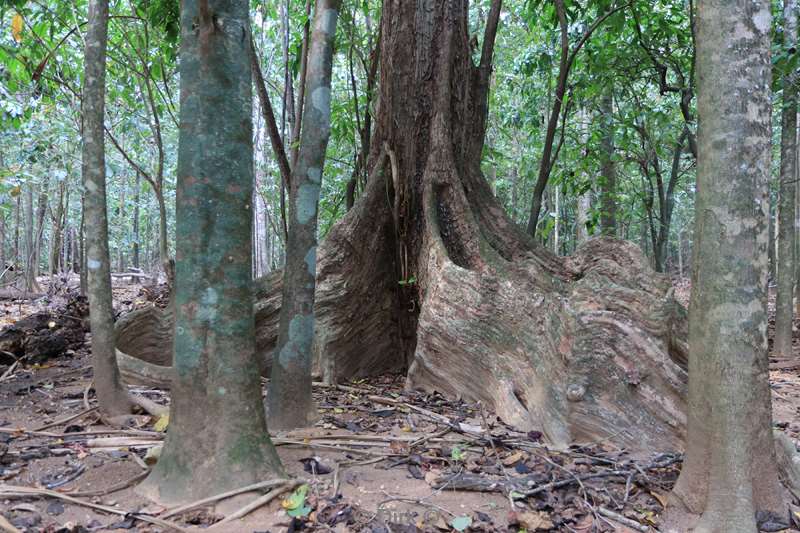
x=16, y=27
x=660, y=497
x=534, y=521
x=460, y=523
x=162, y=423
x=514, y=458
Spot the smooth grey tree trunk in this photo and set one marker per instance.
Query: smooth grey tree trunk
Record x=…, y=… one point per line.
x=289, y=401
x=111, y=394
x=218, y=438
x=136, y=237
x=729, y=473
x=784, y=308
x=30, y=253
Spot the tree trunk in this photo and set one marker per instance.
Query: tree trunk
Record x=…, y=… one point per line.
x=136, y=237
x=30, y=252
x=784, y=302
x=289, y=401
x=729, y=474
x=608, y=172
x=41, y=211
x=57, y=233
x=111, y=394
x=217, y=438
x=3, y=265
x=772, y=244
x=439, y=281
x=17, y=222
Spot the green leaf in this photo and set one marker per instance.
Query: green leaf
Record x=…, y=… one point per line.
x=457, y=454
x=295, y=503
x=299, y=512
x=460, y=523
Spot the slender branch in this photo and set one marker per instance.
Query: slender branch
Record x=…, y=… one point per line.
x=490, y=34
x=274, y=134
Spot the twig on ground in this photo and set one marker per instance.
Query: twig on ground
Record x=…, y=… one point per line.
x=7, y=526
x=224, y=495
x=259, y=502
x=114, y=488
x=624, y=520
x=14, y=491
x=152, y=408
x=66, y=420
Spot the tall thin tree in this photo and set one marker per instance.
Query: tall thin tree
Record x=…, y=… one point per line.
x=730, y=475
x=784, y=308
x=289, y=399
x=110, y=392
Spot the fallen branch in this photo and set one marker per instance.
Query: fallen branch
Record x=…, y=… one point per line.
x=259, y=502
x=223, y=496
x=66, y=420
x=625, y=521
x=152, y=408
x=13, y=491
x=113, y=488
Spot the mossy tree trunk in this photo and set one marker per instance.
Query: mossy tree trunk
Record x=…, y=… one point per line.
x=218, y=437
x=729, y=475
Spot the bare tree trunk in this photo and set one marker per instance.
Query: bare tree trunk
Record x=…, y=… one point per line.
x=608, y=172
x=17, y=221
x=136, y=236
x=111, y=394
x=289, y=401
x=41, y=211
x=784, y=304
x=217, y=438
x=729, y=476
x=56, y=239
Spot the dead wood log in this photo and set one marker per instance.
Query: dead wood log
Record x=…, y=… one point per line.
x=47, y=333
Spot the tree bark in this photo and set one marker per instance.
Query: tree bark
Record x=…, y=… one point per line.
x=784, y=302
x=218, y=438
x=729, y=474
x=111, y=394
x=289, y=401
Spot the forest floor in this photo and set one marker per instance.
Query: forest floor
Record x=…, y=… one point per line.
x=379, y=460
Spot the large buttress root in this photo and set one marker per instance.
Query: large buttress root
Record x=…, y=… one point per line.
x=427, y=272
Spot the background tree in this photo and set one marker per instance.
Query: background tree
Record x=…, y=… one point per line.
x=784, y=308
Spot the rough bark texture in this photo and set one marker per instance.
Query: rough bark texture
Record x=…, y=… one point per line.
x=289, y=401
x=729, y=396
x=427, y=272
x=784, y=308
x=218, y=438
x=112, y=396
